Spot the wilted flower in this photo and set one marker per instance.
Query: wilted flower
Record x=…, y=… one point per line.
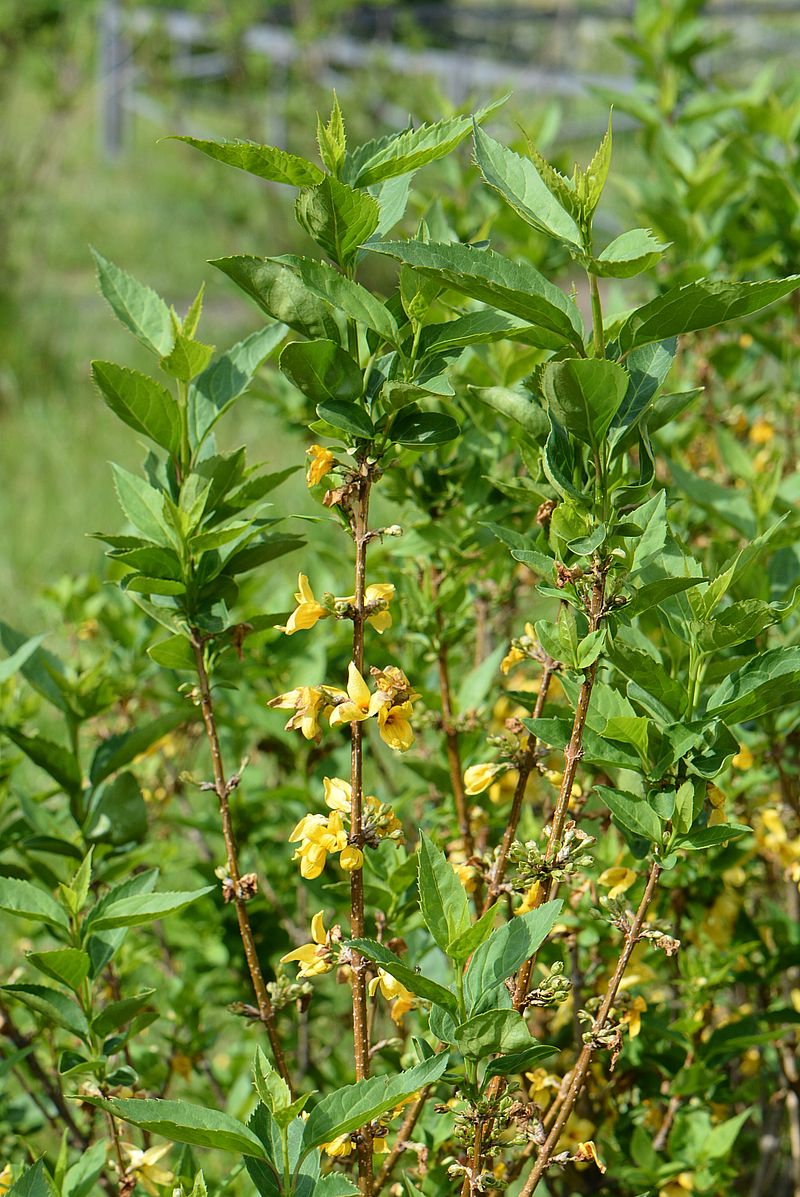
x=321, y=463
x=143, y=1165
x=587, y=1151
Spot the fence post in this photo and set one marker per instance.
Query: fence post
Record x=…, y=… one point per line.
x=112, y=69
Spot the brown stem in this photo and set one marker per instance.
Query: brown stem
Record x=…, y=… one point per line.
x=359, y=964
x=453, y=753
x=406, y=1129
x=526, y=764
x=584, y=1060
x=221, y=789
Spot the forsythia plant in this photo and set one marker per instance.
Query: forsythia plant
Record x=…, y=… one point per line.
x=512, y=795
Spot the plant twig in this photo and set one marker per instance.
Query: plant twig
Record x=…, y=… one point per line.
x=584, y=1060
x=221, y=789
x=401, y=1142
x=526, y=764
x=360, y=530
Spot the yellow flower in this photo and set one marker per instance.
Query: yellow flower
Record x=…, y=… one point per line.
x=744, y=758
x=319, y=836
x=395, y=726
x=338, y=794
x=555, y=777
x=530, y=901
x=469, y=876
x=543, y=1085
x=308, y=611
x=143, y=1166
x=6, y=1179
x=679, y=1186
x=380, y=1145
x=478, y=778
x=321, y=463
x=316, y=957
x=380, y=592
x=341, y=1146
x=307, y=702
x=395, y=992
x=633, y=1016
x=351, y=858
x=617, y=880
x=355, y=703
x=762, y=432
x=512, y=658
x=588, y=1151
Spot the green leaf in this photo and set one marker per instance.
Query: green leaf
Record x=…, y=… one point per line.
x=720, y=1140
x=443, y=899
x=143, y=505
x=491, y=1032
x=26, y=900
x=629, y=254
x=279, y=292
x=503, y=953
x=419, y=429
x=430, y=991
x=140, y=403
x=515, y=405
x=709, y=837
x=221, y=384
x=584, y=395
x=353, y=300
x=187, y=359
x=137, y=307
x=53, y=1005
x=80, y=1179
x=402, y=153
x=119, y=750
x=334, y=1185
x=42, y=669
x=355, y=1105
x=697, y=305
x=16, y=660
x=515, y=1063
x=683, y=815
x=56, y=760
x=513, y=287
x=647, y=368
x=322, y=370
x=518, y=182
x=264, y=161
x=173, y=653
x=768, y=682
x=347, y=417
x=338, y=218
x=70, y=966
x=116, y=1014
x=34, y=1182
x=630, y=729
x=142, y=908
x=118, y=813
x=462, y=948
x=631, y=812
x=475, y=328
x=185, y=1123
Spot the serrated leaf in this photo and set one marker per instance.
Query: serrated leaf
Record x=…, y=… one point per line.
x=221, y=383
x=56, y=760
x=142, y=908
x=698, y=305
x=185, y=1123
x=353, y=1106
x=515, y=287
x=70, y=966
x=33, y=1183
x=26, y=900
x=187, y=359
x=136, y=306
x=143, y=505
x=518, y=182
x=353, y=300
x=443, y=899
x=505, y=950
x=584, y=395
x=337, y=217
x=264, y=161
x=141, y=403
x=282, y=294
x=53, y=1005
x=402, y=153
x=322, y=370
x=768, y=682
x=629, y=254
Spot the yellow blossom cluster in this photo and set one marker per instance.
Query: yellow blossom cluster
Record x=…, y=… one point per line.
x=316, y=957
x=309, y=611
x=391, y=704
x=318, y=835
